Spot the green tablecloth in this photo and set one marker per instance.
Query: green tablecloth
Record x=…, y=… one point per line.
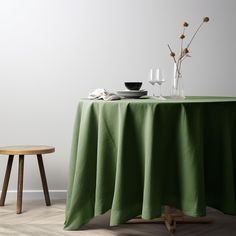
x=135, y=155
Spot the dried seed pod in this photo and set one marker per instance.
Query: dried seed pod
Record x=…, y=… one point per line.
x=206, y=19
x=185, y=24
x=182, y=36
x=185, y=51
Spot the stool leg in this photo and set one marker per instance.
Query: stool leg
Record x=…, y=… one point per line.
x=44, y=180
x=6, y=180
x=20, y=184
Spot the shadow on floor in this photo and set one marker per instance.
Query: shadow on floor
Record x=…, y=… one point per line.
x=222, y=225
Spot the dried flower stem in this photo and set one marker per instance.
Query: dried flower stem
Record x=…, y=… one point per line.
x=180, y=62
x=181, y=53
x=177, y=69
x=182, y=41
x=171, y=52
x=199, y=27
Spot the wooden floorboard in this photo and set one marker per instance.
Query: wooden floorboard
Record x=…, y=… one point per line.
x=39, y=220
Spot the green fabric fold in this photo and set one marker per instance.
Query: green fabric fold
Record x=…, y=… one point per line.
x=134, y=156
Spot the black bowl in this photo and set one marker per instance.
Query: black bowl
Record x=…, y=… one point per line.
x=133, y=85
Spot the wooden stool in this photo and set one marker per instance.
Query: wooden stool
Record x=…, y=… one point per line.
x=22, y=151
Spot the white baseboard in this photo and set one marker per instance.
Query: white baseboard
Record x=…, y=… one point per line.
x=36, y=194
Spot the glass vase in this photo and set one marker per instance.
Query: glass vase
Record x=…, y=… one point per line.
x=177, y=87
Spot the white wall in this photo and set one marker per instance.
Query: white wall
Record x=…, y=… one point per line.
x=53, y=52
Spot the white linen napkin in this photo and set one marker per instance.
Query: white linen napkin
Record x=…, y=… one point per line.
x=101, y=93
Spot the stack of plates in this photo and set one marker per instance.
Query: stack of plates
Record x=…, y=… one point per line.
x=132, y=93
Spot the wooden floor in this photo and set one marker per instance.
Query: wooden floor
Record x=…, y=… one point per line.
x=39, y=220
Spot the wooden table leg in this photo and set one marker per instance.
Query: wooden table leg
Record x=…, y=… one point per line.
x=170, y=222
x=6, y=180
x=170, y=219
x=20, y=184
x=44, y=180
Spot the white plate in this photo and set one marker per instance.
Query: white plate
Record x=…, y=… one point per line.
x=132, y=93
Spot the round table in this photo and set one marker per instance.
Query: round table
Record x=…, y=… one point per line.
x=134, y=156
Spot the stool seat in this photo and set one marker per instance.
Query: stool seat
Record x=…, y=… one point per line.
x=26, y=150
x=37, y=150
